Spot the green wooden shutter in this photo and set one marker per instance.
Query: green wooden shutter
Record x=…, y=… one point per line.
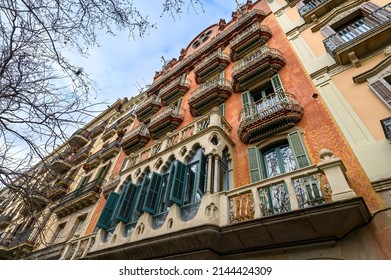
x=246, y=98
x=106, y=216
x=128, y=202
x=253, y=162
x=177, y=183
x=153, y=194
x=201, y=174
x=298, y=149
x=102, y=172
x=276, y=82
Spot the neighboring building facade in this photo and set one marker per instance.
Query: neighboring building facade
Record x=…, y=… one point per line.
x=234, y=152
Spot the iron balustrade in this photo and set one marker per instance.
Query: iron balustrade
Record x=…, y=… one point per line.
x=359, y=29
x=219, y=54
x=254, y=58
x=93, y=186
x=268, y=106
x=248, y=33
x=310, y=6
x=218, y=83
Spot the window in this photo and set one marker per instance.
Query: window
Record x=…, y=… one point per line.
x=386, y=124
x=382, y=88
x=223, y=173
x=102, y=172
x=83, y=181
x=262, y=97
x=285, y=156
x=58, y=235
x=77, y=227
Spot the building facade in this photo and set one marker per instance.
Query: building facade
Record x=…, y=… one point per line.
x=237, y=150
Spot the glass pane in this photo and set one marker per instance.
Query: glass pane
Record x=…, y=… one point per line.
x=191, y=175
x=272, y=167
x=288, y=159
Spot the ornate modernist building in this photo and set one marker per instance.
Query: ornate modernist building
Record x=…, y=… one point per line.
x=255, y=143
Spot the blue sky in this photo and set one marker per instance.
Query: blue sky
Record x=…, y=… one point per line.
x=120, y=63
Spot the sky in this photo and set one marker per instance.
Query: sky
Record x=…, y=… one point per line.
x=121, y=65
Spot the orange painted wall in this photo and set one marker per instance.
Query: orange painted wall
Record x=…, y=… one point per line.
x=95, y=216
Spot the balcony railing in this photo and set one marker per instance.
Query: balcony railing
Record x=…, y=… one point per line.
x=261, y=64
x=268, y=116
x=110, y=150
x=59, y=188
x=98, y=129
x=176, y=138
x=314, y=9
x=110, y=131
x=361, y=37
x=5, y=220
x=165, y=120
x=25, y=238
x=291, y=208
x=209, y=95
x=148, y=107
x=178, y=86
x=111, y=185
x=135, y=138
x=80, y=137
x=253, y=37
x=80, y=155
x=79, y=198
x=52, y=252
x=78, y=248
x=60, y=164
x=211, y=65
x=125, y=120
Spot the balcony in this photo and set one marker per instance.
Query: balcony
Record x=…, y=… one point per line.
x=5, y=220
x=248, y=40
x=125, y=120
x=92, y=161
x=59, y=189
x=110, y=150
x=312, y=10
x=356, y=40
x=60, y=165
x=135, y=139
x=80, y=138
x=148, y=107
x=270, y=115
x=208, y=95
x=111, y=185
x=166, y=120
x=211, y=65
x=79, y=198
x=78, y=248
x=79, y=155
x=98, y=130
x=24, y=241
x=260, y=65
x=176, y=88
x=110, y=131
x=52, y=252
x=300, y=209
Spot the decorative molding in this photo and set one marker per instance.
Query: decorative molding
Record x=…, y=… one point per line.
x=378, y=68
x=337, y=14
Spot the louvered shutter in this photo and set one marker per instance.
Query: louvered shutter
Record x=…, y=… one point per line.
x=153, y=194
x=128, y=202
x=298, y=149
x=327, y=31
x=201, y=173
x=106, y=215
x=383, y=90
x=177, y=183
x=253, y=162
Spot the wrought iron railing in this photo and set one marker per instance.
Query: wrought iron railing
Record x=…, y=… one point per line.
x=114, y=144
x=49, y=253
x=167, y=111
x=359, y=29
x=214, y=55
x=213, y=84
x=310, y=6
x=268, y=106
x=249, y=32
x=93, y=186
x=254, y=58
